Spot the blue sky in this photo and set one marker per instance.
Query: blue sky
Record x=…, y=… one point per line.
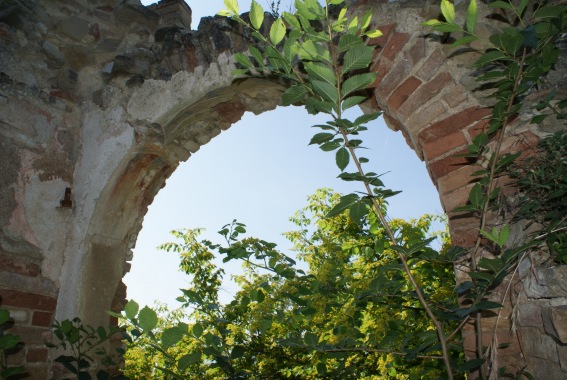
x=260, y=172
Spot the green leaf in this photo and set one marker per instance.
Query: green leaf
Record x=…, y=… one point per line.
x=504, y=235
x=237, y=352
x=358, y=210
x=256, y=15
x=366, y=118
x=321, y=368
x=352, y=101
x=277, y=31
x=147, y=319
x=366, y=20
x=342, y=158
x=131, y=309
x=4, y=316
x=463, y=41
x=314, y=105
x=432, y=22
x=550, y=11
x=325, y=90
x=475, y=196
x=501, y=4
x=357, y=82
x=357, y=57
x=171, y=336
x=493, y=265
x=321, y=138
x=447, y=27
x=348, y=41
x=291, y=20
x=257, y=55
x=311, y=339
x=232, y=5
x=187, y=360
x=243, y=60
x=470, y=364
x=8, y=341
x=448, y=11
x=320, y=71
x=294, y=94
x=345, y=202
x=472, y=16
x=197, y=330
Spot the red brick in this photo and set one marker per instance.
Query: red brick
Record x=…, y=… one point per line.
x=403, y=92
x=456, y=122
x=431, y=65
x=41, y=318
x=449, y=164
x=456, y=199
x=37, y=371
x=425, y=93
x=395, y=45
x=457, y=179
x=36, y=355
x=443, y=145
x=426, y=115
x=464, y=230
x=27, y=300
x=31, y=335
x=9, y=263
x=477, y=128
x=394, y=77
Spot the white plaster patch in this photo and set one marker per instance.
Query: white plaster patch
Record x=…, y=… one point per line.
x=41, y=201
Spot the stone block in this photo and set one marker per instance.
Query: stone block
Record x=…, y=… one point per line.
x=529, y=315
x=548, y=283
x=537, y=344
x=74, y=28
x=555, y=322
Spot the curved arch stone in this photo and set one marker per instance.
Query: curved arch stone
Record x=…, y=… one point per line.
x=106, y=97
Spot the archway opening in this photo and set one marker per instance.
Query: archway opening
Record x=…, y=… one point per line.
x=260, y=171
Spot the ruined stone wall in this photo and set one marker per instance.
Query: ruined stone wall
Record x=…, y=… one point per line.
x=102, y=99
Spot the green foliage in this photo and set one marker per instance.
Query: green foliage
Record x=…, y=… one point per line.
x=542, y=180
x=347, y=313
x=513, y=64
x=8, y=344
x=84, y=347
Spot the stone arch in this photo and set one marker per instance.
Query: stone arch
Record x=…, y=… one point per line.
x=116, y=95
x=143, y=170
